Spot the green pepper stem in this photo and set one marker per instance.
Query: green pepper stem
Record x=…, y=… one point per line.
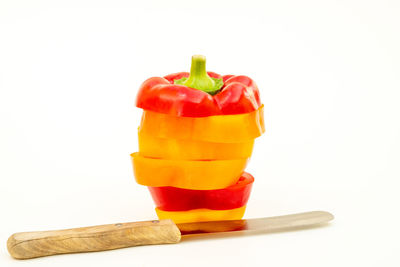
x=198, y=78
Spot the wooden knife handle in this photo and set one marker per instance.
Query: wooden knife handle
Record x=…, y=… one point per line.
x=29, y=245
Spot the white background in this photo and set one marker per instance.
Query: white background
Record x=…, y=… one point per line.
x=328, y=72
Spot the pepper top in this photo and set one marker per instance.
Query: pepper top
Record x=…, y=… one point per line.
x=199, y=93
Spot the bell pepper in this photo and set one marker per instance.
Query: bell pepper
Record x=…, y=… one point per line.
x=188, y=174
x=195, y=137
x=201, y=215
x=199, y=94
x=178, y=199
x=219, y=129
x=168, y=148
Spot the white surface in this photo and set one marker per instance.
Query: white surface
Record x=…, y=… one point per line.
x=329, y=78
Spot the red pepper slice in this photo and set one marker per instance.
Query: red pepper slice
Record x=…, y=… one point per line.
x=178, y=199
x=238, y=95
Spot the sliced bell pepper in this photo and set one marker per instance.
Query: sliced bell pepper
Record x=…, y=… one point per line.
x=201, y=215
x=196, y=135
x=219, y=129
x=178, y=199
x=168, y=148
x=188, y=174
x=199, y=94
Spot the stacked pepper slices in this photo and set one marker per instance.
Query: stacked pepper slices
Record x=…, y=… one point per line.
x=195, y=138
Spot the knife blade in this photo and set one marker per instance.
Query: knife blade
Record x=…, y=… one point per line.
x=269, y=224
x=27, y=245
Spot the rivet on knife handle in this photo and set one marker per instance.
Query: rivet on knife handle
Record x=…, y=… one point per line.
x=94, y=238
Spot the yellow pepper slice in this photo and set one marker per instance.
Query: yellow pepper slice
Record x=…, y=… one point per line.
x=201, y=215
x=188, y=174
x=220, y=129
x=166, y=148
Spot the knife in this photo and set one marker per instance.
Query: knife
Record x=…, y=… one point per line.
x=27, y=245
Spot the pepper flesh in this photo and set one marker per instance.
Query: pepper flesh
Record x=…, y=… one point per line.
x=188, y=174
x=178, y=199
x=218, y=129
x=201, y=215
x=168, y=148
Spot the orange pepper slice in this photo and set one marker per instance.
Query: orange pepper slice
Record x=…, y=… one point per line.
x=188, y=174
x=167, y=148
x=219, y=129
x=201, y=215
